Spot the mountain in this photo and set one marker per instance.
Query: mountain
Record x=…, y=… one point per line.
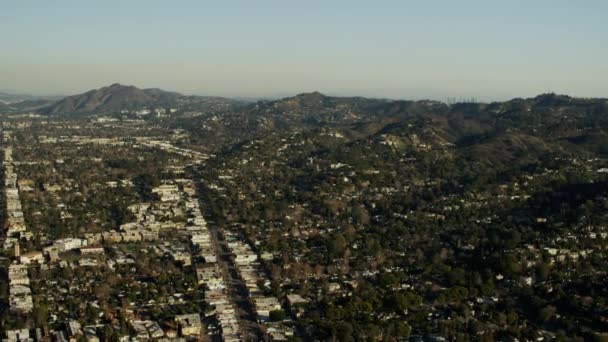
x=498, y=132
x=9, y=98
x=113, y=97
x=6, y=98
x=117, y=97
x=23, y=103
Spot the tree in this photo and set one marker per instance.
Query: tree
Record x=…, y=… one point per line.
x=542, y=270
x=402, y=329
x=344, y=332
x=102, y=292
x=92, y=314
x=456, y=276
x=118, y=214
x=143, y=184
x=41, y=314
x=401, y=301
x=277, y=315
x=361, y=215
x=337, y=246
x=546, y=313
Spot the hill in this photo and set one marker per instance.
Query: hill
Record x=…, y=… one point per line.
x=118, y=97
x=532, y=125
x=113, y=97
x=9, y=98
x=457, y=202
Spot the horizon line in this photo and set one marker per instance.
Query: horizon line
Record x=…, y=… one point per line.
x=277, y=96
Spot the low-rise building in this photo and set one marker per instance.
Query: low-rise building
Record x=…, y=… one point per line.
x=264, y=305
x=32, y=257
x=189, y=324
x=91, y=250
x=18, y=335
x=69, y=243
x=111, y=237
x=147, y=330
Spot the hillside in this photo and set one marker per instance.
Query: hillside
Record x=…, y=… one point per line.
x=113, y=97
x=559, y=122
x=438, y=207
x=9, y=98
x=23, y=103
x=118, y=97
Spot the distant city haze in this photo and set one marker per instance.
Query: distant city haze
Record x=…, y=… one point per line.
x=488, y=50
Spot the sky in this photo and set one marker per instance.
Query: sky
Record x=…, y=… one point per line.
x=486, y=49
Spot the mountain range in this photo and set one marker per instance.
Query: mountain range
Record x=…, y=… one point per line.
x=538, y=124
x=494, y=133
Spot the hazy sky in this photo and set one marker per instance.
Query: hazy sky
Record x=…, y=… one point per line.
x=402, y=49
